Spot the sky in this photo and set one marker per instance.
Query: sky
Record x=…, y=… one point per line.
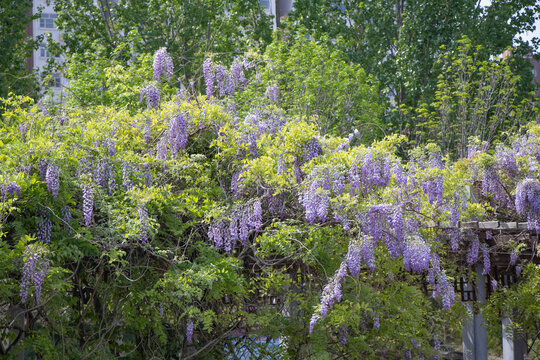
x=527, y=35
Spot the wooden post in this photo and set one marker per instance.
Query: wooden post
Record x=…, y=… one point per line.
x=480, y=333
x=514, y=348
x=474, y=335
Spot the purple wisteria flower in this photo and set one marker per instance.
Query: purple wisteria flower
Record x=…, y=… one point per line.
x=177, y=134
x=66, y=217
x=88, y=204
x=354, y=259
x=10, y=189
x=487, y=262
x=35, y=271
x=163, y=64
x=151, y=92
x=143, y=218
x=44, y=229
x=189, y=332
x=209, y=77
x=331, y=294
x=52, y=181
x=472, y=253
x=416, y=255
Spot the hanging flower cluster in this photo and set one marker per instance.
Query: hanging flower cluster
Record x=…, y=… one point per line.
x=88, y=204
x=9, y=189
x=225, y=233
x=528, y=202
x=34, y=271
x=331, y=294
x=151, y=93
x=163, y=64
x=177, y=134
x=227, y=82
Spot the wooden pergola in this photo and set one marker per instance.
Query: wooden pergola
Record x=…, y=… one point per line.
x=478, y=289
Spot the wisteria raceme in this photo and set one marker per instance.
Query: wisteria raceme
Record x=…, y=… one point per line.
x=66, y=217
x=43, y=169
x=222, y=79
x=111, y=146
x=146, y=175
x=491, y=186
x=416, y=255
x=528, y=202
x=23, y=128
x=446, y=290
x=514, y=255
x=434, y=189
x=312, y=149
x=256, y=215
x=273, y=94
x=189, y=332
x=88, y=204
x=238, y=78
x=163, y=64
x=44, y=229
x=148, y=130
x=455, y=238
x=11, y=188
x=143, y=218
x=151, y=92
x=126, y=176
x=434, y=269
x=375, y=171
x=376, y=323
x=398, y=224
x=507, y=161
x=342, y=335
x=354, y=259
x=366, y=245
x=110, y=174
x=35, y=271
x=400, y=175
x=161, y=150
x=518, y=270
x=330, y=295
x=493, y=285
x=472, y=253
x=209, y=78
x=177, y=134
x=487, y=262
x=99, y=173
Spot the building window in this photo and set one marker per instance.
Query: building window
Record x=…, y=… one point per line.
x=44, y=53
x=47, y=21
x=57, y=81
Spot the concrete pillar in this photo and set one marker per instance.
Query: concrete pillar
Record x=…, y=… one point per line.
x=480, y=333
x=514, y=348
x=474, y=335
x=468, y=333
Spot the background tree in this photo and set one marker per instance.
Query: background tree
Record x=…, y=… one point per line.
x=399, y=41
x=188, y=29
x=16, y=47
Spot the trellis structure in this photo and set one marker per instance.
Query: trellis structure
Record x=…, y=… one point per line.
x=474, y=337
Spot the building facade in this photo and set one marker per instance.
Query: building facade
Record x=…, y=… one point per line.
x=46, y=27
